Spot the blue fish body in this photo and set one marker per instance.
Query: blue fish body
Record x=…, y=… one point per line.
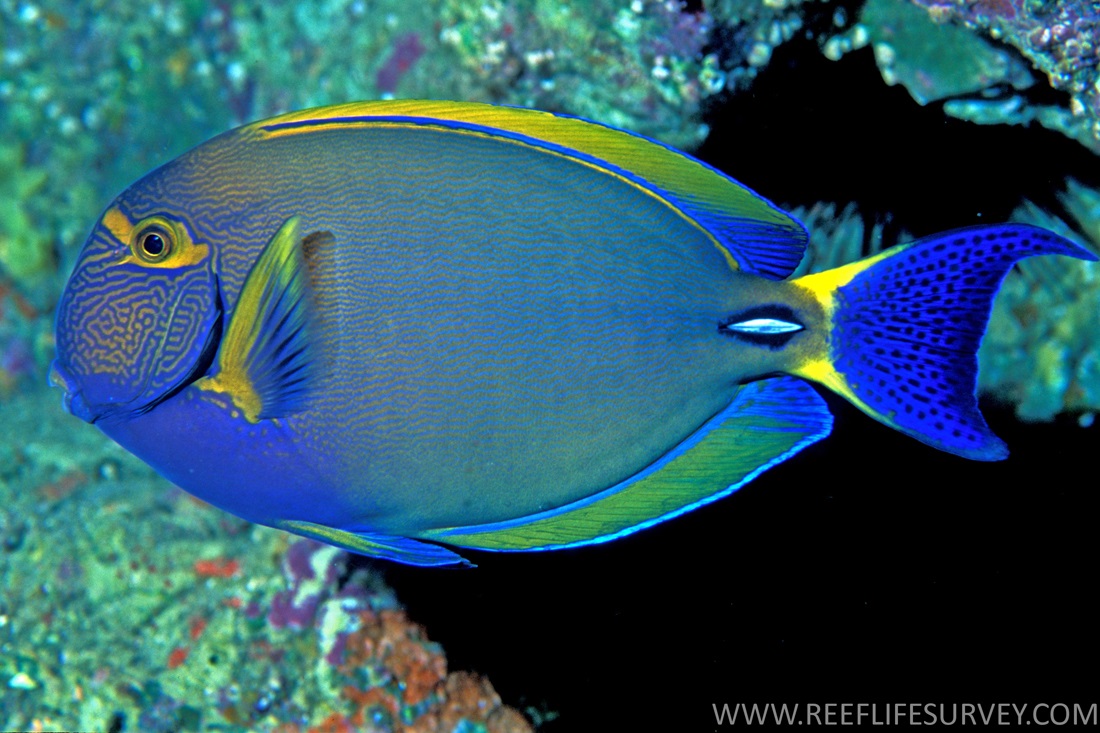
x=397, y=326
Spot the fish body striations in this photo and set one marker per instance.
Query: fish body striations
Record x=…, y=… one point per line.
x=383, y=323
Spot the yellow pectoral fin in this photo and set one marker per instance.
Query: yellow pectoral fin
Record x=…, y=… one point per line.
x=265, y=362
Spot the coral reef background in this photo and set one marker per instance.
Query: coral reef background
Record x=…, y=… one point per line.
x=934, y=579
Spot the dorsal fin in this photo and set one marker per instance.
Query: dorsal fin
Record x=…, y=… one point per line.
x=756, y=236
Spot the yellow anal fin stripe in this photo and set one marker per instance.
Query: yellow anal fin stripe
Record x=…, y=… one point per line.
x=766, y=423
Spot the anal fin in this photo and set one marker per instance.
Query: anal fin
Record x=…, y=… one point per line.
x=387, y=547
x=766, y=423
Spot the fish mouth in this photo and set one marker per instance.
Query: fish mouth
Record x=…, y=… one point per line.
x=72, y=400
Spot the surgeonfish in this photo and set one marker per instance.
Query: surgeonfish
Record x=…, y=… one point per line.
x=400, y=327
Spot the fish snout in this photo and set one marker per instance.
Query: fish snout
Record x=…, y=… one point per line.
x=72, y=400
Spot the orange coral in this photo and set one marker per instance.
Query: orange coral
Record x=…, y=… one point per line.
x=467, y=696
x=334, y=723
x=198, y=625
x=178, y=656
x=387, y=639
x=219, y=567
x=365, y=699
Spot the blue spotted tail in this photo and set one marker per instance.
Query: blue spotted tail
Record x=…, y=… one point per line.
x=904, y=328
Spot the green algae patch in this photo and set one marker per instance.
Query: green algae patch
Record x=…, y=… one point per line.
x=24, y=250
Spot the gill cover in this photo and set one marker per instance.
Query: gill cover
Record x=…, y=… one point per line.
x=140, y=317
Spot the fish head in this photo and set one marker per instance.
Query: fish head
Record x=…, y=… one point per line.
x=140, y=317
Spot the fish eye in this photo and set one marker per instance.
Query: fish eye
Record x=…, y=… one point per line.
x=153, y=243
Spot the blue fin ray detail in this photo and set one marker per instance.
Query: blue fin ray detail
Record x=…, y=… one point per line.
x=278, y=360
x=906, y=331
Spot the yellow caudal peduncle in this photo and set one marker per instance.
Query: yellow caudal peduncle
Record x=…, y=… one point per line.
x=818, y=364
x=823, y=285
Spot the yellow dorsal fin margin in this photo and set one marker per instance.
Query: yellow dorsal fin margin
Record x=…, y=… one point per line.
x=756, y=235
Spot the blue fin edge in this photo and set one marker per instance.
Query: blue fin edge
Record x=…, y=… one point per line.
x=387, y=547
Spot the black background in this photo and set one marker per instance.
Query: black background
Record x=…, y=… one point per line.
x=870, y=568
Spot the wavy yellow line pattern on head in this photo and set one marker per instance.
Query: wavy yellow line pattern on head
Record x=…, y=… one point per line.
x=125, y=344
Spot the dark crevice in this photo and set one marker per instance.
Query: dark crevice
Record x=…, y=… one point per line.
x=817, y=130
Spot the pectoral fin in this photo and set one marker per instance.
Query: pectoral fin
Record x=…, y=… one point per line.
x=265, y=362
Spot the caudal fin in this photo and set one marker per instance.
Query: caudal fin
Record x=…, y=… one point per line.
x=905, y=326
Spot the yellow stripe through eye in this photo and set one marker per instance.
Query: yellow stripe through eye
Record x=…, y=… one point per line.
x=118, y=224
x=156, y=241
